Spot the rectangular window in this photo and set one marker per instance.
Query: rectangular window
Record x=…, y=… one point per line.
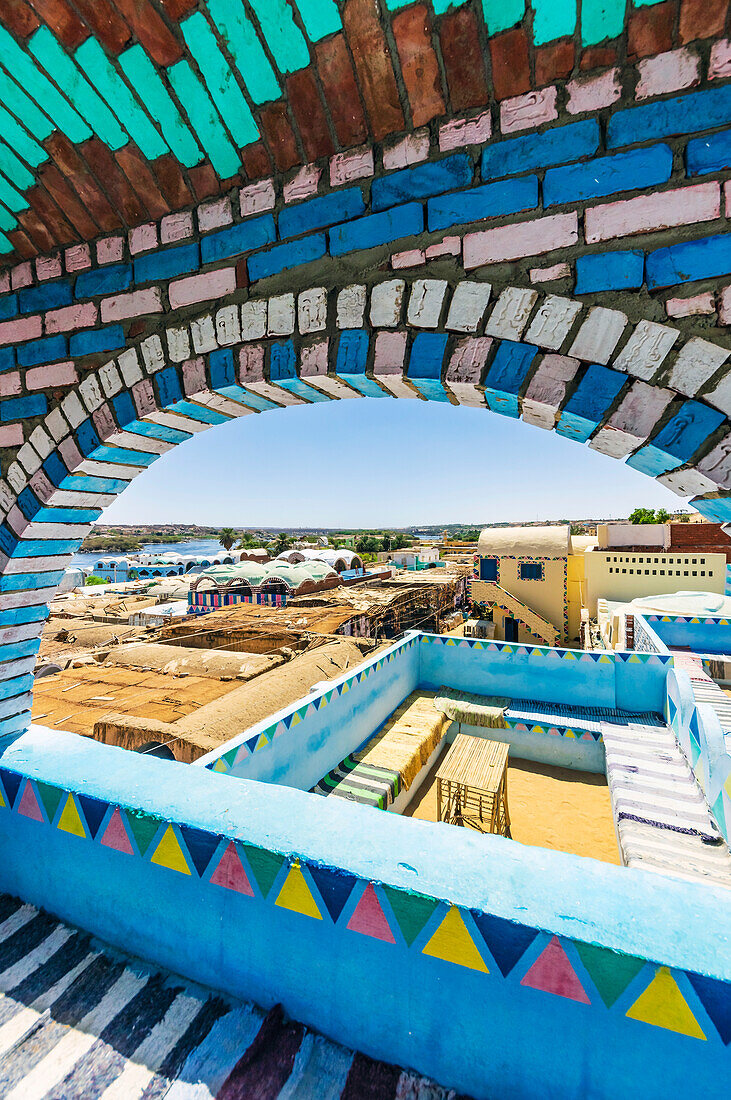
x=530, y=571
x=488, y=569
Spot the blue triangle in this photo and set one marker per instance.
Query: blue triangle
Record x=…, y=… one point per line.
x=507, y=941
x=94, y=810
x=201, y=846
x=714, y=997
x=11, y=782
x=335, y=888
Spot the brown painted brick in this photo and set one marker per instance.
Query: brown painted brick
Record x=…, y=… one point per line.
x=63, y=21
x=81, y=179
x=373, y=67
x=107, y=171
x=175, y=190
x=242, y=274
x=463, y=60
x=137, y=171
x=204, y=181
x=22, y=244
x=176, y=9
x=46, y=209
x=553, y=62
x=106, y=23
x=151, y=30
x=650, y=30
x=66, y=199
x=38, y=229
x=309, y=114
x=419, y=65
x=341, y=91
x=510, y=64
x=599, y=57
x=255, y=160
x=18, y=18
x=278, y=133
x=702, y=19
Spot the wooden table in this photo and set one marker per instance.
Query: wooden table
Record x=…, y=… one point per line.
x=472, y=785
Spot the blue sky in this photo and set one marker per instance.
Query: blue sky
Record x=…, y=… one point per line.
x=381, y=463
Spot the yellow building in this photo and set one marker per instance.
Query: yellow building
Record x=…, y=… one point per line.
x=622, y=575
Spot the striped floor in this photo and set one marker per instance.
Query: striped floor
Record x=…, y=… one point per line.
x=78, y=1021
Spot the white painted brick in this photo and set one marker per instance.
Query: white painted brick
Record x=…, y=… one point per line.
x=425, y=302
x=696, y=362
x=152, y=354
x=616, y=444
x=667, y=72
x=598, y=336
x=228, y=327
x=254, y=320
x=633, y=420
x=538, y=414
x=257, y=197
x=29, y=459
x=129, y=365
x=687, y=483
x=203, y=334
x=386, y=302
x=16, y=476
x=552, y=323
x=351, y=306
x=312, y=310
x=510, y=313
x=42, y=441
x=465, y=369
x=178, y=344
x=73, y=410
x=646, y=349
x=717, y=464
x=281, y=315
x=468, y=306
x=110, y=379
x=90, y=392
x=720, y=396
x=547, y=387
x=56, y=424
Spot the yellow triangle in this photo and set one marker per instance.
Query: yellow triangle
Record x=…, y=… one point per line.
x=263, y=740
x=169, y=854
x=453, y=943
x=220, y=766
x=70, y=821
x=663, y=1005
x=296, y=894
x=3, y=803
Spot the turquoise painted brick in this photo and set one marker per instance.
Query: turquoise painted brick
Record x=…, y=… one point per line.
x=588, y=405
x=500, y=15
x=600, y=20
x=220, y=80
x=204, y=119
x=553, y=19
x=283, y=36
x=14, y=169
x=236, y=30
x=12, y=198
x=20, y=140
x=506, y=375
x=140, y=71
x=24, y=108
x=24, y=69
x=320, y=17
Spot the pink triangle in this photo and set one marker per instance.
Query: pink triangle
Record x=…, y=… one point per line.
x=230, y=872
x=115, y=834
x=553, y=973
x=28, y=805
x=369, y=917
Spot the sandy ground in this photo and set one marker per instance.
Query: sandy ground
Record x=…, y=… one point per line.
x=549, y=807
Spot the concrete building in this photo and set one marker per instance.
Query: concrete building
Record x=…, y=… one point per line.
x=249, y=582
x=419, y=557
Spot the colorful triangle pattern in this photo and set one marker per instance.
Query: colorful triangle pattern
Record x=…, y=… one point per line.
x=168, y=853
x=28, y=805
x=714, y=997
x=506, y=940
x=412, y=911
x=230, y=872
x=116, y=836
x=453, y=943
x=296, y=894
x=663, y=1005
x=70, y=819
x=369, y=919
x=335, y=888
x=552, y=972
x=611, y=973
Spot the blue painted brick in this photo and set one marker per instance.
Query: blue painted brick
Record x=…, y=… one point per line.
x=596, y=392
x=318, y=213
x=221, y=366
x=282, y=361
x=164, y=265
x=488, y=201
x=510, y=366
x=54, y=469
x=418, y=183
x=607, y=175
x=427, y=355
x=42, y=351
x=168, y=386
x=124, y=409
x=240, y=238
x=284, y=256
x=672, y=117
x=525, y=154
x=86, y=438
x=100, y=339
x=104, y=280
x=7, y=359
x=609, y=271
x=352, y=351
x=8, y=306
x=682, y=263
x=86, y=484
x=709, y=154
x=15, y=408
x=691, y=426
x=45, y=296
x=198, y=412
x=377, y=229
x=28, y=503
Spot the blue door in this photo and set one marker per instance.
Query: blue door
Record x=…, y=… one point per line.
x=511, y=629
x=488, y=569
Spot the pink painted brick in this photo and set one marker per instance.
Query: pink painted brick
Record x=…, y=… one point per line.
x=71, y=317
x=212, y=215
x=78, y=257
x=11, y=435
x=313, y=359
x=4, y=282
x=409, y=150
x=719, y=65
x=356, y=164
x=303, y=184
x=511, y=242
x=727, y=197
x=53, y=374
x=414, y=257
x=143, y=238
x=70, y=453
x=549, y=274
x=668, y=72
x=251, y=363
x=25, y=328
x=110, y=250
x=390, y=353
x=134, y=304
x=194, y=375
x=143, y=395
x=202, y=288
x=257, y=197
x=39, y=483
x=689, y=307
x=724, y=312
x=10, y=384
x=523, y=112
x=593, y=92
x=647, y=213
x=450, y=246
x=48, y=267
x=465, y=131
x=21, y=275
x=176, y=227
x=104, y=422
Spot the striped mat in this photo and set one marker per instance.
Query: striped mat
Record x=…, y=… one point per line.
x=78, y=1021
x=361, y=782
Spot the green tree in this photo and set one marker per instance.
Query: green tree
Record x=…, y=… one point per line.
x=662, y=516
x=643, y=515
x=282, y=542
x=227, y=538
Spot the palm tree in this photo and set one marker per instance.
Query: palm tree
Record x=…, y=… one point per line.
x=282, y=543
x=227, y=538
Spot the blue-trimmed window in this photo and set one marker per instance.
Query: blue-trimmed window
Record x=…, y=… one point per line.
x=488, y=569
x=531, y=571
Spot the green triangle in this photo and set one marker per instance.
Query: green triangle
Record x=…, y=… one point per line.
x=50, y=797
x=143, y=829
x=611, y=973
x=265, y=866
x=412, y=911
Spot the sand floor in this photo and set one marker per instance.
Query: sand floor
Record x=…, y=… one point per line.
x=549, y=807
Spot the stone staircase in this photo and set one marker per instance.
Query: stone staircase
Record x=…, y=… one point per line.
x=506, y=601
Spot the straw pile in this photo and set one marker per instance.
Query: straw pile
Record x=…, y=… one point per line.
x=408, y=738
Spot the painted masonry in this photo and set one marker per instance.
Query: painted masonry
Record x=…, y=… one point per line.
x=210, y=209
